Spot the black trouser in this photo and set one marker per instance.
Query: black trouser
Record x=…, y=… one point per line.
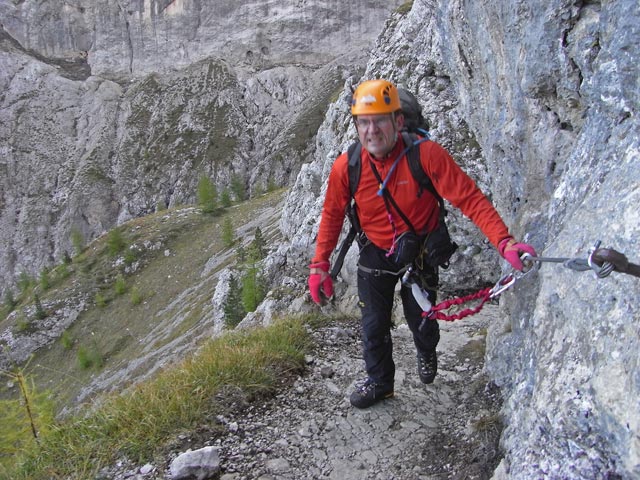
x=376, y=292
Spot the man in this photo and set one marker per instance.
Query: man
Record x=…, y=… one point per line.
x=378, y=118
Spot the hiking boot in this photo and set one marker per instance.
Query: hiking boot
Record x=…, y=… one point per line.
x=428, y=366
x=369, y=393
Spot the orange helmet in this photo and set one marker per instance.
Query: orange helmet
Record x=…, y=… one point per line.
x=373, y=97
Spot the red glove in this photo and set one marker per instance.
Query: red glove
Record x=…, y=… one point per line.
x=320, y=281
x=511, y=251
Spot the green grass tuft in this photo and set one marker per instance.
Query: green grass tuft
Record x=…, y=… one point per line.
x=137, y=424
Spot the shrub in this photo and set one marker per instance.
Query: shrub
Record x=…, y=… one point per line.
x=77, y=240
x=63, y=271
x=66, y=340
x=130, y=256
x=83, y=357
x=234, y=310
x=40, y=311
x=89, y=357
x=136, y=296
x=45, y=282
x=225, y=198
x=9, y=300
x=253, y=289
x=271, y=185
x=66, y=258
x=115, y=242
x=228, y=233
x=22, y=324
x=238, y=188
x=207, y=195
x=23, y=420
x=405, y=8
x=24, y=282
x=100, y=300
x=120, y=287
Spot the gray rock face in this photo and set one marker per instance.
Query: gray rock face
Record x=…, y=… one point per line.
x=112, y=110
x=549, y=92
x=122, y=38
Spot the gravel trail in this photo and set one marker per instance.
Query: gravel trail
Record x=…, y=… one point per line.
x=448, y=429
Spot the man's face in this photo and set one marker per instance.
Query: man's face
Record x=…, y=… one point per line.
x=378, y=133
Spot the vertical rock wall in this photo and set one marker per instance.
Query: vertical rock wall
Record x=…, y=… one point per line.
x=549, y=92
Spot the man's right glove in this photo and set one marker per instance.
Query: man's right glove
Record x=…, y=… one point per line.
x=320, y=282
x=511, y=250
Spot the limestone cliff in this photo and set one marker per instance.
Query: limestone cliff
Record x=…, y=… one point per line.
x=549, y=91
x=111, y=110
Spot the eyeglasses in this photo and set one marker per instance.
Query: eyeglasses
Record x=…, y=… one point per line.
x=379, y=122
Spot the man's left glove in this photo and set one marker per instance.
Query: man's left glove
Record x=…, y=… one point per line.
x=320, y=281
x=511, y=251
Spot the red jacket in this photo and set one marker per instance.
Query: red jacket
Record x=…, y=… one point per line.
x=447, y=177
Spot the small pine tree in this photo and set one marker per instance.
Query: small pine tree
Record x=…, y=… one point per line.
x=77, y=240
x=271, y=185
x=115, y=242
x=90, y=357
x=130, y=256
x=161, y=206
x=40, y=311
x=241, y=255
x=233, y=306
x=257, y=249
x=97, y=360
x=83, y=357
x=238, y=188
x=45, y=282
x=23, y=420
x=207, y=195
x=101, y=302
x=225, y=198
x=136, y=296
x=253, y=290
x=9, y=300
x=67, y=340
x=120, y=286
x=24, y=282
x=228, y=233
x=63, y=271
x=66, y=258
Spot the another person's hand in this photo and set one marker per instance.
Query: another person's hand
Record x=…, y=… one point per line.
x=320, y=282
x=511, y=251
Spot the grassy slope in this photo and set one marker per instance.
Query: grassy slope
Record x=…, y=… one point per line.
x=176, y=297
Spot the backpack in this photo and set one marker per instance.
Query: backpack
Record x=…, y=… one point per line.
x=438, y=246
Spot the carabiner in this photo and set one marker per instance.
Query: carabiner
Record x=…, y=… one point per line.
x=503, y=284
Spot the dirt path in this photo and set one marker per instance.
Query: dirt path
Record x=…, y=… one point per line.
x=447, y=430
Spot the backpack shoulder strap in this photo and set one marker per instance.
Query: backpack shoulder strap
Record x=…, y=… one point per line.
x=413, y=155
x=354, y=166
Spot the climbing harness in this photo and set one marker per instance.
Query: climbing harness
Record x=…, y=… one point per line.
x=602, y=261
